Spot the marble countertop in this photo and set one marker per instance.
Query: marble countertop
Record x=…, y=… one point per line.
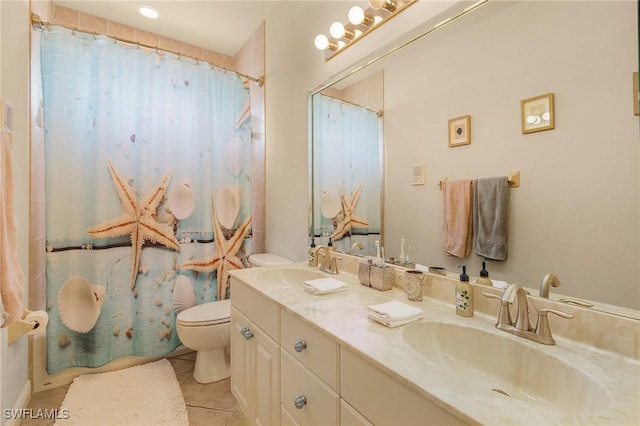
x=343, y=317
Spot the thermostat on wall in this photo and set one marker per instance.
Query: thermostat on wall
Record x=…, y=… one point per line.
x=418, y=175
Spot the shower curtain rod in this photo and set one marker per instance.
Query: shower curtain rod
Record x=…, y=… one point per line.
x=380, y=112
x=39, y=24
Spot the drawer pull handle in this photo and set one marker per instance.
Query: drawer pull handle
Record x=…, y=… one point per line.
x=299, y=345
x=248, y=334
x=300, y=401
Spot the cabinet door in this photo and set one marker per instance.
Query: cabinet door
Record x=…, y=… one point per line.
x=350, y=417
x=265, y=371
x=240, y=360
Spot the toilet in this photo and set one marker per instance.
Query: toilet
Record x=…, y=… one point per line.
x=206, y=328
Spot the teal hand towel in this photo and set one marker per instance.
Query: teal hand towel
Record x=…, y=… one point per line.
x=491, y=212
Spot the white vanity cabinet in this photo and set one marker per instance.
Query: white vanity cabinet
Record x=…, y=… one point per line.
x=291, y=372
x=255, y=355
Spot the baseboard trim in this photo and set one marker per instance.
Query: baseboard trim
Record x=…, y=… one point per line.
x=21, y=404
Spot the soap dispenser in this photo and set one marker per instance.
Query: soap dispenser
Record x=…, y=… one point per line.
x=484, y=276
x=312, y=253
x=464, y=295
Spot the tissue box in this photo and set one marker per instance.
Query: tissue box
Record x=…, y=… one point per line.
x=381, y=278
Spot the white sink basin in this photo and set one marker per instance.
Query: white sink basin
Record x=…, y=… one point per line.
x=292, y=276
x=502, y=365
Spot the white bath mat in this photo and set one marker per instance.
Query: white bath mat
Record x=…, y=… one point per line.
x=146, y=394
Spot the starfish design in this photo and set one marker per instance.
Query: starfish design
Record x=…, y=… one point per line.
x=137, y=220
x=225, y=256
x=349, y=220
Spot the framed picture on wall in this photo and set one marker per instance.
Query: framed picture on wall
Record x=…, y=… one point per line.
x=536, y=114
x=460, y=131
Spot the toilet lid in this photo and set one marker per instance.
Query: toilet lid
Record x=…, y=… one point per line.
x=206, y=313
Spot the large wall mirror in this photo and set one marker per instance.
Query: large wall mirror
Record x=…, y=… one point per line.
x=576, y=212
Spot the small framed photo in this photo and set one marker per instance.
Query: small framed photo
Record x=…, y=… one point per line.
x=460, y=131
x=537, y=113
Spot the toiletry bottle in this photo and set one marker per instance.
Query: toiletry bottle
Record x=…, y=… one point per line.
x=401, y=251
x=312, y=253
x=464, y=295
x=330, y=245
x=484, y=276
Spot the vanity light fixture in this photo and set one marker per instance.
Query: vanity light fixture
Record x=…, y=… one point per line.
x=148, y=11
x=360, y=22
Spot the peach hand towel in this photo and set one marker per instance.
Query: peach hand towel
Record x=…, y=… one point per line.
x=458, y=220
x=10, y=272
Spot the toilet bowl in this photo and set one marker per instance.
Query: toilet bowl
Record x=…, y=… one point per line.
x=206, y=328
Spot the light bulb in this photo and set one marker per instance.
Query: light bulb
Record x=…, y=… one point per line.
x=531, y=119
x=377, y=19
x=321, y=42
x=356, y=15
x=149, y=12
x=337, y=30
x=341, y=44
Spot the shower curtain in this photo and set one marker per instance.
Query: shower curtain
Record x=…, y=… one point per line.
x=141, y=148
x=347, y=174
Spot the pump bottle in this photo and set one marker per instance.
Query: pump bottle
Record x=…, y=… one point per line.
x=464, y=295
x=484, y=276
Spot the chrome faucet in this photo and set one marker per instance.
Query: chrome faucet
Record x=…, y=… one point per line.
x=355, y=245
x=549, y=280
x=522, y=327
x=326, y=262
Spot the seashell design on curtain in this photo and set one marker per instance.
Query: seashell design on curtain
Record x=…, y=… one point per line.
x=347, y=173
x=133, y=136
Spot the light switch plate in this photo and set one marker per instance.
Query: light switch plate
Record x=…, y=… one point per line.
x=418, y=175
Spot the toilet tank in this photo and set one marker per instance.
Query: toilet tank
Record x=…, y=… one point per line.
x=268, y=259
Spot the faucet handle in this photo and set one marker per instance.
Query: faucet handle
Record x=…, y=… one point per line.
x=542, y=328
x=491, y=295
x=334, y=265
x=504, y=316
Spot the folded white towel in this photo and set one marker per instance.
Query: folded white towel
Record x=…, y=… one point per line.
x=324, y=286
x=422, y=268
x=394, y=313
x=499, y=284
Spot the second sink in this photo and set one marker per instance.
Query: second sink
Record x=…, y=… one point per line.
x=501, y=364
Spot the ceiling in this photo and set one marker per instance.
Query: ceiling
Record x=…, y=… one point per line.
x=221, y=26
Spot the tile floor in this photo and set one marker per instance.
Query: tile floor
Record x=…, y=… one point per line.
x=210, y=405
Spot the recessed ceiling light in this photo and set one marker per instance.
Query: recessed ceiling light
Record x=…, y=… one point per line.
x=149, y=12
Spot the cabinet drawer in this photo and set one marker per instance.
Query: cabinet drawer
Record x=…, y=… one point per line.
x=322, y=403
x=264, y=313
x=319, y=354
x=382, y=399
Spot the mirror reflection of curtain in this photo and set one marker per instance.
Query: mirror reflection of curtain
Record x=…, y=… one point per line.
x=120, y=120
x=347, y=157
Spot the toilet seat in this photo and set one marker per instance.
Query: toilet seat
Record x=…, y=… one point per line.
x=211, y=313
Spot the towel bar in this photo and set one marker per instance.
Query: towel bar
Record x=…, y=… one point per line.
x=513, y=177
